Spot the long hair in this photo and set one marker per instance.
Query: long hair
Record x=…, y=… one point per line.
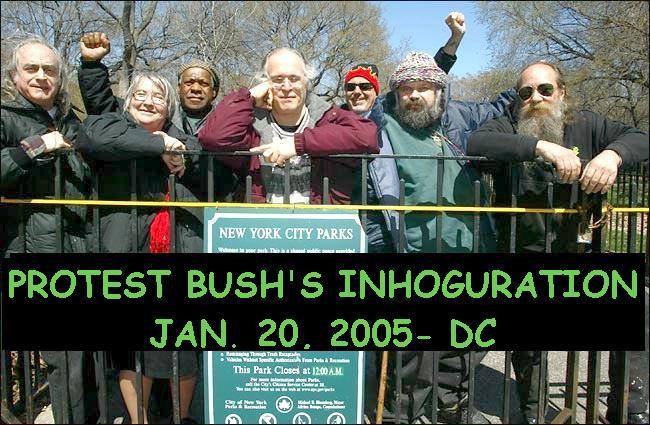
x=161, y=83
x=9, y=90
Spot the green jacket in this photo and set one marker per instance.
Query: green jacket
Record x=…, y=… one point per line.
x=23, y=177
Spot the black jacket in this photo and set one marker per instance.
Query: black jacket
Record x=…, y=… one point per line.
x=111, y=139
x=23, y=177
x=588, y=134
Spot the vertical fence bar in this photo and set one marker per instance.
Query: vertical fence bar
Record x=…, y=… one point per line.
x=477, y=219
x=287, y=183
x=470, y=387
x=434, y=386
x=622, y=376
x=134, y=210
x=401, y=238
x=249, y=189
x=631, y=219
x=27, y=387
x=596, y=236
x=102, y=388
x=22, y=223
x=571, y=384
x=620, y=196
x=541, y=405
x=172, y=215
x=398, y=386
x=58, y=210
x=37, y=370
x=507, y=370
x=593, y=387
x=440, y=215
x=210, y=177
x=138, y=388
x=514, y=183
x=97, y=246
x=5, y=372
x=548, y=218
x=364, y=192
x=326, y=190
x=176, y=393
x=65, y=398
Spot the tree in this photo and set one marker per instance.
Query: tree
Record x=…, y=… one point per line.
x=602, y=46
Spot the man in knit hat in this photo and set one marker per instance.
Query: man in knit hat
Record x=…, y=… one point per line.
x=198, y=86
x=362, y=80
x=417, y=118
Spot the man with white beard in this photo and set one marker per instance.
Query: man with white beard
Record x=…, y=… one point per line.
x=417, y=118
x=542, y=124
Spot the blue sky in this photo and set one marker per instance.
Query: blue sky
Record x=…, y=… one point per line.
x=423, y=24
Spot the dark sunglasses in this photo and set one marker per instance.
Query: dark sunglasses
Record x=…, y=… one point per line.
x=362, y=86
x=545, y=90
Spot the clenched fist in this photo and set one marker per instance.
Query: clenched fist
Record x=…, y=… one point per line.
x=456, y=23
x=94, y=46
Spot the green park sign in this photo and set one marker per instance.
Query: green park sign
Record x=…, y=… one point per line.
x=283, y=387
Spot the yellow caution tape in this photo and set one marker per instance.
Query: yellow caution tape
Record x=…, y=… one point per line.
x=433, y=208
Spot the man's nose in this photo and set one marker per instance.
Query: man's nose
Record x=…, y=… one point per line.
x=40, y=74
x=358, y=90
x=536, y=97
x=196, y=87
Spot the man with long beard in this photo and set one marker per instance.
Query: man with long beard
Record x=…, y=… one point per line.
x=541, y=124
x=417, y=118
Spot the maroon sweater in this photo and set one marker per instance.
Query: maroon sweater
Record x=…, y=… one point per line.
x=230, y=127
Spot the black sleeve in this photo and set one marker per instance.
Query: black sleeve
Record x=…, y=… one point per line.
x=630, y=143
x=445, y=61
x=111, y=137
x=95, y=88
x=497, y=140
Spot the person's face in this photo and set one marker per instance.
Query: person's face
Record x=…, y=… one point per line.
x=288, y=82
x=37, y=75
x=360, y=100
x=417, y=95
x=195, y=89
x=148, y=105
x=541, y=79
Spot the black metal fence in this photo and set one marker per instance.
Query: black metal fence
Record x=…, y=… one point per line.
x=24, y=374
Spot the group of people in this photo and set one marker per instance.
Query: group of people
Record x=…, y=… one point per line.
x=285, y=124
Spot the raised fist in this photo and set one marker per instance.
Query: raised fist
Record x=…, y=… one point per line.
x=456, y=23
x=94, y=46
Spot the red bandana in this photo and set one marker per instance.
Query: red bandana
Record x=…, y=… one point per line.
x=364, y=73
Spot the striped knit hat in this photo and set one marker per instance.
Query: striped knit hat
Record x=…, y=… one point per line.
x=418, y=66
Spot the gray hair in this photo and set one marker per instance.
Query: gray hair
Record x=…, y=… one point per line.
x=9, y=90
x=161, y=83
x=308, y=69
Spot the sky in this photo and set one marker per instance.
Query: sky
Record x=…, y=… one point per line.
x=423, y=24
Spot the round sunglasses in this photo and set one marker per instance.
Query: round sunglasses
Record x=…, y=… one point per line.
x=362, y=86
x=546, y=90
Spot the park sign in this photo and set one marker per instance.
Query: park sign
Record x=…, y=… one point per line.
x=266, y=230
x=283, y=387
x=278, y=387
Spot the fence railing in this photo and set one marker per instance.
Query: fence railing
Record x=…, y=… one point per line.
x=24, y=376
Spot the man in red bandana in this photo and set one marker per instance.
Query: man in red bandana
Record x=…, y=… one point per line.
x=362, y=80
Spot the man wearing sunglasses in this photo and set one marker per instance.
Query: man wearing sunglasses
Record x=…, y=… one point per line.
x=584, y=148
x=362, y=80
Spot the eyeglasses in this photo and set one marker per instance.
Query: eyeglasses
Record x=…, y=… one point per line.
x=362, y=86
x=546, y=90
x=141, y=96
x=278, y=81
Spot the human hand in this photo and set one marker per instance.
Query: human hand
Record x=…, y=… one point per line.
x=277, y=152
x=175, y=162
x=263, y=95
x=456, y=23
x=566, y=162
x=94, y=46
x=53, y=141
x=600, y=173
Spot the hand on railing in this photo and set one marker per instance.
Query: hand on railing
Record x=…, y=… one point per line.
x=600, y=173
x=175, y=162
x=54, y=141
x=565, y=160
x=277, y=152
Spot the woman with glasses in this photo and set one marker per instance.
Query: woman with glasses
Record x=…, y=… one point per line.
x=141, y=130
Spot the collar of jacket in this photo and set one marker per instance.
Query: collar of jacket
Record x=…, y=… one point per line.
x=262, y=118
x=180, y=115
x=169, y=127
